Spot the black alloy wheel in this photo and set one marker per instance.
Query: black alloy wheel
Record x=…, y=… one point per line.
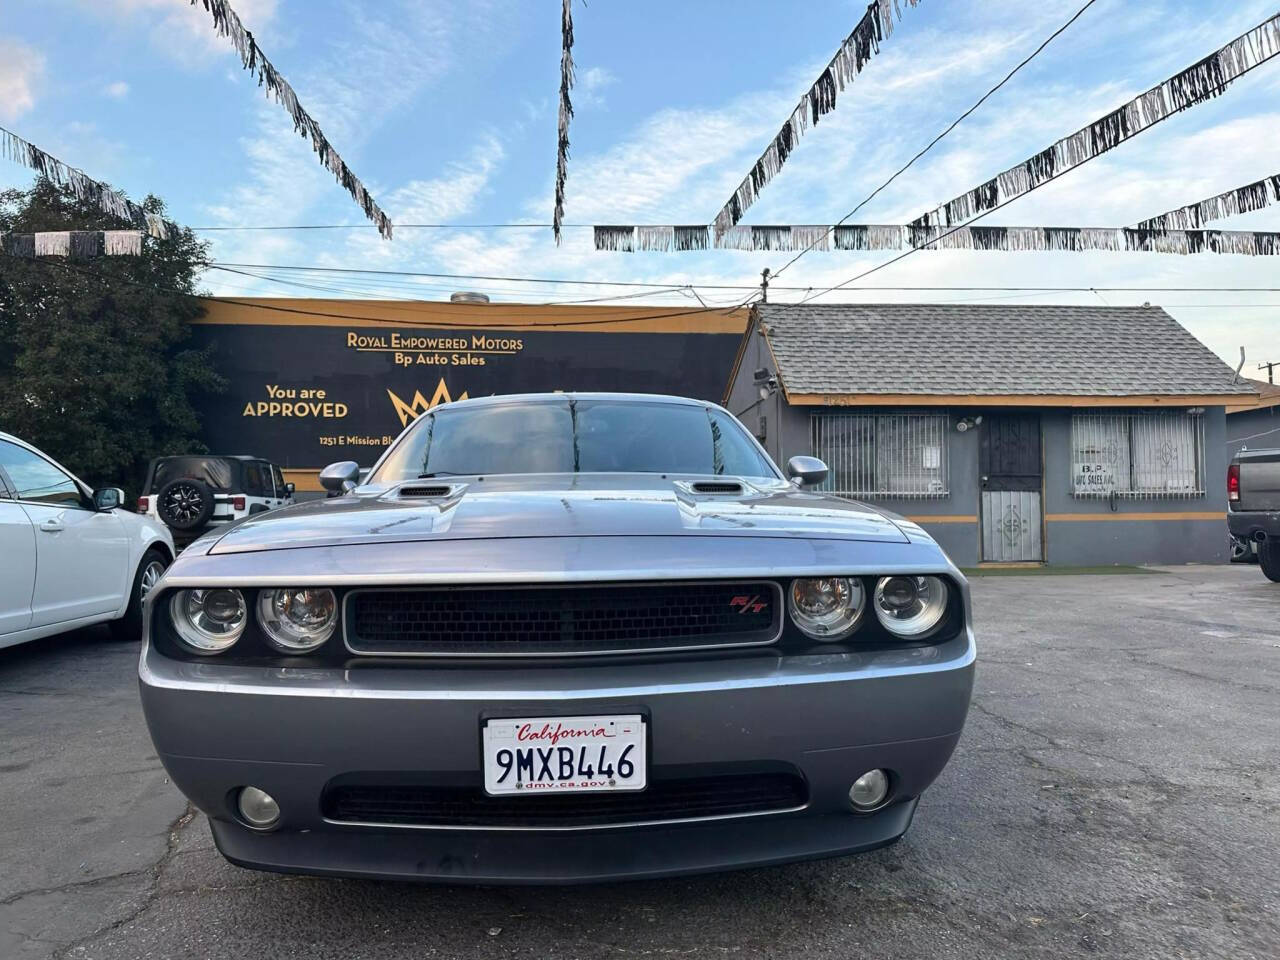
x=185, y=503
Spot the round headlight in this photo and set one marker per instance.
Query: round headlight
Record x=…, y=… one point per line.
x=910, y=606
x=826, y=608
x=209, y=621
x=298, y=619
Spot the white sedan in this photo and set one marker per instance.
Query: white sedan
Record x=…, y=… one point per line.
x=72, y=556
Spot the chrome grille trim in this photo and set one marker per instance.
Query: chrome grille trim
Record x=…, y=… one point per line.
x=540, y=828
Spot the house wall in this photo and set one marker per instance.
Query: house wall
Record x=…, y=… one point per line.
x=1255, y=429
x=1077, y=531
x=1085, y=532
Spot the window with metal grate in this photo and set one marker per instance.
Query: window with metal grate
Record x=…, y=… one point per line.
x=1137, y=455
x=883, y=455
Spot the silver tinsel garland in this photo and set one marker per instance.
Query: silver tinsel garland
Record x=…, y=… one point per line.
x=228, y=25
x=1199, y=82
x=860, y=46
x=79, y=244
x=629, y=239
x=82, y=186
x=1252, y=196
x=566, y=113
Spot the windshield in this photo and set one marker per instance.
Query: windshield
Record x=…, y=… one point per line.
x=217, y=472
x=573, y=435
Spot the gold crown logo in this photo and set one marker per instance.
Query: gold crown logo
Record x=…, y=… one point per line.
x=420, y=405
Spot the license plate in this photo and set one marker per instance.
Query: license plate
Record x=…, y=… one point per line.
x=540, y=755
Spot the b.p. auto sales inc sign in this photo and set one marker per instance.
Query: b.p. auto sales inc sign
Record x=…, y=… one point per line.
x=306, y=395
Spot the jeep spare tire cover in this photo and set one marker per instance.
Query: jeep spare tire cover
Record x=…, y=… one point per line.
x=185, y=503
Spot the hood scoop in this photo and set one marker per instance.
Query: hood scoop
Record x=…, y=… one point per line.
x=423, y=491
x=730, y=487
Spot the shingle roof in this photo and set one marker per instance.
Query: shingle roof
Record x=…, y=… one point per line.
x=1268, y=396
x=972, y=349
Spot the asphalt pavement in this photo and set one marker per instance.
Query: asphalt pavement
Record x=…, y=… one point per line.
x=1116, y=794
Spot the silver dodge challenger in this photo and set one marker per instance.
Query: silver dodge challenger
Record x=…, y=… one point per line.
x=559, y=638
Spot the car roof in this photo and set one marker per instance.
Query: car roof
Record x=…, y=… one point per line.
x=209, y=456
x=499, y=398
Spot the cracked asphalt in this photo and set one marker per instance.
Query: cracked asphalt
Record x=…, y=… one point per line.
x=1115, y=794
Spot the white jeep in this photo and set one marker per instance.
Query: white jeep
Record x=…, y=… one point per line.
x=191, y=493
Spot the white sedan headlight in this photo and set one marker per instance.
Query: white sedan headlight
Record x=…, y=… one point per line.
x=298, y=619
x=209, y=621
x=826, y=608
x=910, y=607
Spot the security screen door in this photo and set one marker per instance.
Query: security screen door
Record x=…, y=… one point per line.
x=1011, y=479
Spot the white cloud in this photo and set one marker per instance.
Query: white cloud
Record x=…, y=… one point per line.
x=679, y=165
x=21, y=71
x=589, y=90
x=389, y=55
x=116, y=91
x=185, y=31
x=450, y=195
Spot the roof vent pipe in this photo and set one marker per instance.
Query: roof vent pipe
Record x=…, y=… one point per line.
x=467, y=296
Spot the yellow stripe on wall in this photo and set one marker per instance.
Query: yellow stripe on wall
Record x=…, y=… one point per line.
x=945, y=518
x=1095, y=517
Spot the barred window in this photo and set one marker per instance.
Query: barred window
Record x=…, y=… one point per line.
x=1137, y=454
x=882, y=455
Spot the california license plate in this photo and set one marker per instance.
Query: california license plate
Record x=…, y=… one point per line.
x=540, y=755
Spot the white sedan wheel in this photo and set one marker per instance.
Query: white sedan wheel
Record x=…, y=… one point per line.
x=151, y=575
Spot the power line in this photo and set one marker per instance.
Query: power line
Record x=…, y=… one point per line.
x=932, y=143
x=452, y=319
x=568, y=281
x=464, y=276
x=367, y=293
x=660, y=289
x=999, y=206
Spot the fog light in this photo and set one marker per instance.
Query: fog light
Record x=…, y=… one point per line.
x=869, y=790
x=257, y=807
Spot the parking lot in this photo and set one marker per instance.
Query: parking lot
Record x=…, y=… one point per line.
x=1115, y=794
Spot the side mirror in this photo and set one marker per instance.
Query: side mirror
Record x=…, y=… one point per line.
x=108, y=498
x=806, y=471
x=340, y=478
x=289, y=489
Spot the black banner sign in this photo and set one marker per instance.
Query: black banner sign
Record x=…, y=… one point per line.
x=305, y=396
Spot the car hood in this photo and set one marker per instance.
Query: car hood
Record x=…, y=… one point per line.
x=578, y=505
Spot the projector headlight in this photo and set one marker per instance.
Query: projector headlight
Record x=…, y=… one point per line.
x=910, y=607
x=298, y=619
x=826, y=608
x=209, y=621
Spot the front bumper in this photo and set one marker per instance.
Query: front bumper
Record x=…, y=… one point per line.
x=290, y=731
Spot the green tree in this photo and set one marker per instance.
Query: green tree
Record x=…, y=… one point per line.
x=95, y=366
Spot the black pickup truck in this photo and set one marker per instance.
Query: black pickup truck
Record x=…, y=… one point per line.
x=1253, y=504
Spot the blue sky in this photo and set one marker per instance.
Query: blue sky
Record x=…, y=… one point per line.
x=446, y=110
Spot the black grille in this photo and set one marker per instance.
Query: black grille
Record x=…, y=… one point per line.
x=614, y=618
x=715, y=796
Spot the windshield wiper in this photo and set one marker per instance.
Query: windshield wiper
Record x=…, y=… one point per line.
x=573, y=424
x=448, y=473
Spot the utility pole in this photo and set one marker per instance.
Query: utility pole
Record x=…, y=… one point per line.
x=1270, y=368
x=764, y=285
